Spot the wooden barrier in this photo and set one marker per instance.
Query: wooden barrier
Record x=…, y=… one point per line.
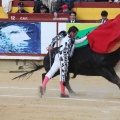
x=37, y=17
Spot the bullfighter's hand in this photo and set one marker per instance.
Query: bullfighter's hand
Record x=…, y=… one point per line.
x=49, y=48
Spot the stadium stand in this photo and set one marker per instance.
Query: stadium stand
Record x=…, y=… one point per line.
x=91, y=11
x=86, y=11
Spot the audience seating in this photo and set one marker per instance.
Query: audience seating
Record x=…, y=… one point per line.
x=87, y=12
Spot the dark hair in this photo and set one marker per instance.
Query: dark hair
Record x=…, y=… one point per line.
x=21, y=4
x=37, y=5
x=104, y=13
x=72, y=12
x=73, y=29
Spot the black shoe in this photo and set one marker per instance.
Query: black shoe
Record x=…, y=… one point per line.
x=64, y=96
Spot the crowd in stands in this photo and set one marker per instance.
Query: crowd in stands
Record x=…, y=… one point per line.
x=83, y=0
x=58, y=6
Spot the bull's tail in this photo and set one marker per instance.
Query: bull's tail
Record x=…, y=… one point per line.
x=35, y=67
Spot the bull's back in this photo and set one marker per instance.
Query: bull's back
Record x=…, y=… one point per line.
x=87, y=62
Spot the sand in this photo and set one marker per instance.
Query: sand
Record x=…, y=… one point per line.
x=95, y=99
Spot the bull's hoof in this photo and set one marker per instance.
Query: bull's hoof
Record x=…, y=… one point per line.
x=64, y=96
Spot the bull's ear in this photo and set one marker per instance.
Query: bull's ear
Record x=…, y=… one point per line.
x=63, y=33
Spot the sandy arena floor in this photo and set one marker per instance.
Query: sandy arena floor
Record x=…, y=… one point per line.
x=96, y=99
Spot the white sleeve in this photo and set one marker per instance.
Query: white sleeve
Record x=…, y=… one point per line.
x=63, y=41
x=77, y=41
x=60, y=35
x=54, y=40
x=7, y=5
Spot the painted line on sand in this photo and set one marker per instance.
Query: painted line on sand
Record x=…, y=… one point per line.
x=31, y=88
x=74, y=99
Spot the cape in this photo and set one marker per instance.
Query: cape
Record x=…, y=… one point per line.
x=106, y=37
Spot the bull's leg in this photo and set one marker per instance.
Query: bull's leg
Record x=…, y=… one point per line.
x=68, y=85
x=111, y=75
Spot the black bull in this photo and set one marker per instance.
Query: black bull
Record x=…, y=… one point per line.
x=87, y=62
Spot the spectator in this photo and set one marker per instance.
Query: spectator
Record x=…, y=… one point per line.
x=37, y=5
x=21, y=8
x=104, y=15
x=56, y=5
x=47, y=3
x=73, y=18
x=44, y=9
x=69, y=3
x=65, y=10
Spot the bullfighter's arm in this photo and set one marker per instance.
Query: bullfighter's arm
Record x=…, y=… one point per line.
x=61, y=35
x=77, y=41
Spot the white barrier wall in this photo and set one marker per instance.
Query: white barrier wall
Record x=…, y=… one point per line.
x=48, y=31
